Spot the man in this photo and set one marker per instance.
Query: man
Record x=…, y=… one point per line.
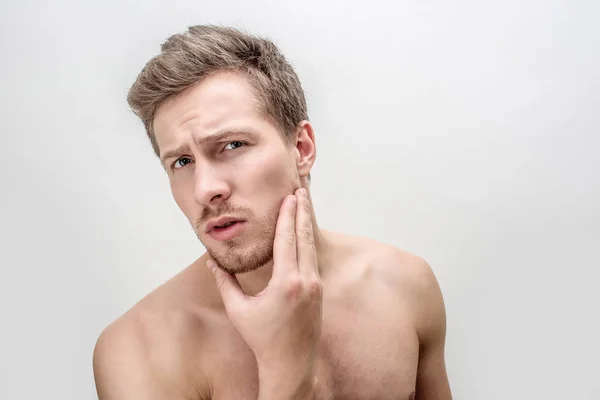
x=277, y=308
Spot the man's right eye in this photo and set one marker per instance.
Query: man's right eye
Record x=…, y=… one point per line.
x=182, y=162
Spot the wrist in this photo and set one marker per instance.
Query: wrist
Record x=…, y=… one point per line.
x=287, y=384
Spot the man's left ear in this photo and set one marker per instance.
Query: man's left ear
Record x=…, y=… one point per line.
x=306, y=149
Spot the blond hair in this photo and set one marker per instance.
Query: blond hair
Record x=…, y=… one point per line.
x=186, y=58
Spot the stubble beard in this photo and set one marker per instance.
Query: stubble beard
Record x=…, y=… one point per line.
x=254, y=248
x=249, y=251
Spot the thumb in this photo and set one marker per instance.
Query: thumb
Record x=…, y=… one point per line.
x=228, y=285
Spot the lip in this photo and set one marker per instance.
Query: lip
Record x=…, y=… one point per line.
x=223, y=234
x=212, y=223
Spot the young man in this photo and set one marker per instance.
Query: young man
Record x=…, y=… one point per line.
x=277, y=308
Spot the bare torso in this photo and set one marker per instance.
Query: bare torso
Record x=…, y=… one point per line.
x=369, y=347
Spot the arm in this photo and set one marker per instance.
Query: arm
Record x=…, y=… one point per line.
x=430, y=317
x=123, y=370
x=287, y=383
x=282, y=324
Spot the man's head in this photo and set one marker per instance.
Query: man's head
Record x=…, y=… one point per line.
x=226, y=114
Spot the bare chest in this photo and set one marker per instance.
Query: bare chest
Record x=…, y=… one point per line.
x=364, y=354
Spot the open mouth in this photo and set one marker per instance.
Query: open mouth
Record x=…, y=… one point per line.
x=227, y=231
x=225, y=225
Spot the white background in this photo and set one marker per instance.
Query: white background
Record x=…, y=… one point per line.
x=466, y=132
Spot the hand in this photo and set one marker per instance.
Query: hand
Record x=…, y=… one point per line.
x=282, y=324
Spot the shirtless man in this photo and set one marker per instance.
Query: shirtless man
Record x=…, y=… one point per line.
x=277, y=308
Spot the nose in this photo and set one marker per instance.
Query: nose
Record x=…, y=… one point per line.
x=210, y=189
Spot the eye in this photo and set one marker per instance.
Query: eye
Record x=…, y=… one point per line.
x=181, y=162
x=234, y=145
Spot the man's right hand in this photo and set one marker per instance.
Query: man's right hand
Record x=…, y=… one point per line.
x=282, y=324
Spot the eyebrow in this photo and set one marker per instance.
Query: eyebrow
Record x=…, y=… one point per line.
x=222, y=135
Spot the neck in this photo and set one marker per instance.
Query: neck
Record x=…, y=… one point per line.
x=256, y=281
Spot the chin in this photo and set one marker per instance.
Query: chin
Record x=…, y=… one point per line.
x=237, y=258
x=249, y=251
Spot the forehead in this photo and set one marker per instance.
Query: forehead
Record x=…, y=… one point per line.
x=222, y=101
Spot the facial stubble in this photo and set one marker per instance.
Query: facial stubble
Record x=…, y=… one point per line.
x=249, y=251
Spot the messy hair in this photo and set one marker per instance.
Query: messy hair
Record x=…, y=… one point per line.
x=203, y=50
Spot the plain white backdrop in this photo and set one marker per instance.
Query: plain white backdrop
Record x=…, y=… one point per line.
x=466, y=132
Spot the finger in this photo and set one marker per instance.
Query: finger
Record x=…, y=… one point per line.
x=228, y=285
x=284, y=245
x=305, y=240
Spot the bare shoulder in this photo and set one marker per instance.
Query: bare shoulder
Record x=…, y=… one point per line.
x=418, y=288
x=145, y=353
x=387, y=261
x=408, y=275
x=127, y=362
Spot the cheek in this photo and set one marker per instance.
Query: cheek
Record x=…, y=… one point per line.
x=274, y=174
x=263, y=185
x=183, y=196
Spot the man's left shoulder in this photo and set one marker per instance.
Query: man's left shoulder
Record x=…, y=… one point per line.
x=406, y=273
x=413, y=283
x=400, y=267
x=413, y=279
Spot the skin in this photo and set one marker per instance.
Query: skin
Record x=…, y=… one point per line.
x=291, y=311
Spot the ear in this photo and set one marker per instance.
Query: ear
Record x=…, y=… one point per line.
x=306, y=148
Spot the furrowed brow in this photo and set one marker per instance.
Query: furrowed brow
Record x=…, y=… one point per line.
x=220, y=136
x=174, y=152
x=223, y=135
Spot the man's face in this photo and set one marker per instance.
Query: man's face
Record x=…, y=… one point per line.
x=227, y=160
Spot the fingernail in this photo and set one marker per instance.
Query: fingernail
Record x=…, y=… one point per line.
x=302, y=192
x=211, y=265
